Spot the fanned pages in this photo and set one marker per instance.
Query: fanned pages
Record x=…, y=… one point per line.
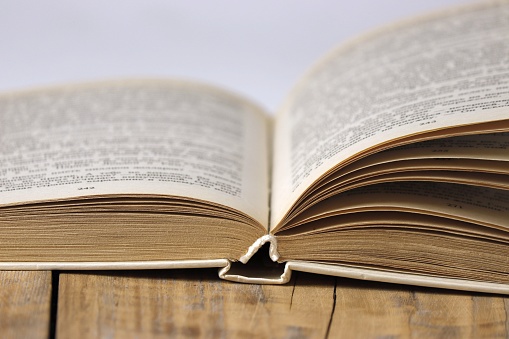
x=388, y=161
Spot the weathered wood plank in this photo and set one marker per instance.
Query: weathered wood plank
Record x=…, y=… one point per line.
x=191, y=304
x=25, y=304
x=194, y=303
x=368, y=309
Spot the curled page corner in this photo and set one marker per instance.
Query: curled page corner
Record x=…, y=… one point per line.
x=273, y=253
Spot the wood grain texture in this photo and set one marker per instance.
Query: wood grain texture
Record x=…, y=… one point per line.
x=370, y=309
x=194, y=303
x=25, y=304
x=189, y=303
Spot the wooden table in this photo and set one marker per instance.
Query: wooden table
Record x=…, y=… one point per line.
x=194, y=303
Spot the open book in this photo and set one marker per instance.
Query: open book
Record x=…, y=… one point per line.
x=388, y=161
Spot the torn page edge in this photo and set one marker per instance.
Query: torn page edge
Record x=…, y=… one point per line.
x=273, y=253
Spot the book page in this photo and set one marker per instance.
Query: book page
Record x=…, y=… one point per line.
x=478, y=205
x=429, y=74
x=134, y=137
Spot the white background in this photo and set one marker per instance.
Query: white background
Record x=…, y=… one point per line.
x=257, y=48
